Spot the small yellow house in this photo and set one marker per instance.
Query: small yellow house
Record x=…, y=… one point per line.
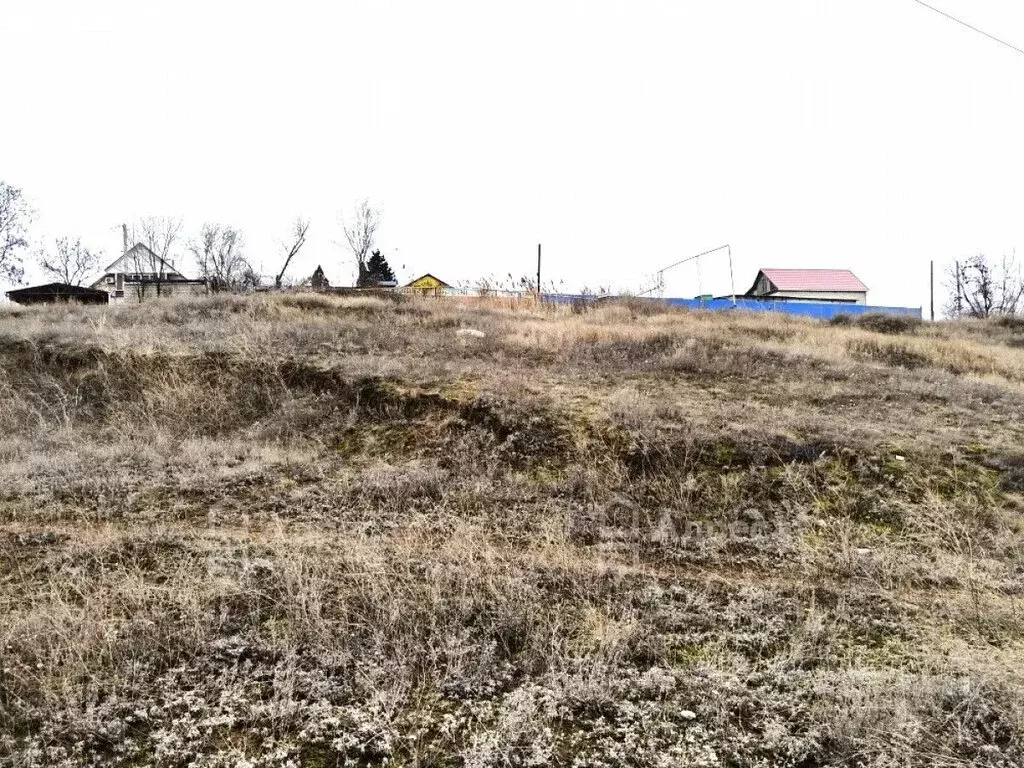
x=427, y=284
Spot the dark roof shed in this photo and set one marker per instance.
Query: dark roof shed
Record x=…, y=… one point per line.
x=58, y=292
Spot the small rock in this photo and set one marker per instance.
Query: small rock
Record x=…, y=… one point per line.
x=897, y=457
x=472, y=332
x=863, y=551
x=688, y=714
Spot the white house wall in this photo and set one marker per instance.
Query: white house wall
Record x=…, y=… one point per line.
x=852, y=297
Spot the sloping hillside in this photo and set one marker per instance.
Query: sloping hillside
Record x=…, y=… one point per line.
x=295, y=530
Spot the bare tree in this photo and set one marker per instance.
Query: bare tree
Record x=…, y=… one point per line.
x=160, y=235
x=219, y=253
x=982, y=288
x=69, y=261
x=298, y=239
x=15, y=215
x=361, y=233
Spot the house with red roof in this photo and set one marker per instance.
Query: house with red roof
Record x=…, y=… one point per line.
x=823, y=285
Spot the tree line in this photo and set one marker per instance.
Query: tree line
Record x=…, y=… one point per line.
x=218, y=250
x=977, y=286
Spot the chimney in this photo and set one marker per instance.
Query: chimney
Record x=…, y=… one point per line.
x=124, y=235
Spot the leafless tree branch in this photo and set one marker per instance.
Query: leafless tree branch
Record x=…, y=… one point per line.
x=980, y=288
x=219, y=253
x=160, y=235
x=299, y=230
x=361, y=233
x=69, y=262
x=15, y=216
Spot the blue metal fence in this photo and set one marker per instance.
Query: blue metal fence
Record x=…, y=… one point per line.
x=822, y=310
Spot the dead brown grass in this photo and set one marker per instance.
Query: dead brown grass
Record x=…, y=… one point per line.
x=334, y=531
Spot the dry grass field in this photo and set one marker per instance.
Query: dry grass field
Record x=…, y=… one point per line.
x=304, y=531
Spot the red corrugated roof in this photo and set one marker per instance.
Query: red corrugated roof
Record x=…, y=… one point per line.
x=814, y=280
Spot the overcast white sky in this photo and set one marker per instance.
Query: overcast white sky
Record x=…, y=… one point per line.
x=869, y=134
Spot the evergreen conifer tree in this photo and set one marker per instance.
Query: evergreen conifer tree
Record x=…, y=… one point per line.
x=378, y=270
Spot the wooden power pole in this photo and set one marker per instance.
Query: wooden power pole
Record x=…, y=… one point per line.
x=931, y=288
x=538, y=269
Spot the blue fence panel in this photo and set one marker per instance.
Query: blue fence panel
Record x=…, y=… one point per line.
x=823, y=310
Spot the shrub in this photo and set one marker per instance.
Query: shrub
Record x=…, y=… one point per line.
x=890, y=324
x=636, y=305
x=1010, y=322
x=889, y=353
x=581, y=305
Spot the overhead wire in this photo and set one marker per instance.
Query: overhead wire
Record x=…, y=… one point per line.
x=971, y=27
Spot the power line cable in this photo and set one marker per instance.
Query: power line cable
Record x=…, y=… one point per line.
x=971, y=27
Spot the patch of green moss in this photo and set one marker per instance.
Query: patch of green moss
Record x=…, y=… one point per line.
x=724, y=453
x=886, y=653
x=689, y=654
x=543, y=474
x=370, y=440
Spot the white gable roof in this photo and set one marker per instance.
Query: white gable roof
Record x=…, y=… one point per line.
x=140, y=258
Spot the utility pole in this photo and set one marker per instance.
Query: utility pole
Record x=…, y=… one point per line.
x=538, y=270
x=732, y=280
x=931, y=288
x=124, y=236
